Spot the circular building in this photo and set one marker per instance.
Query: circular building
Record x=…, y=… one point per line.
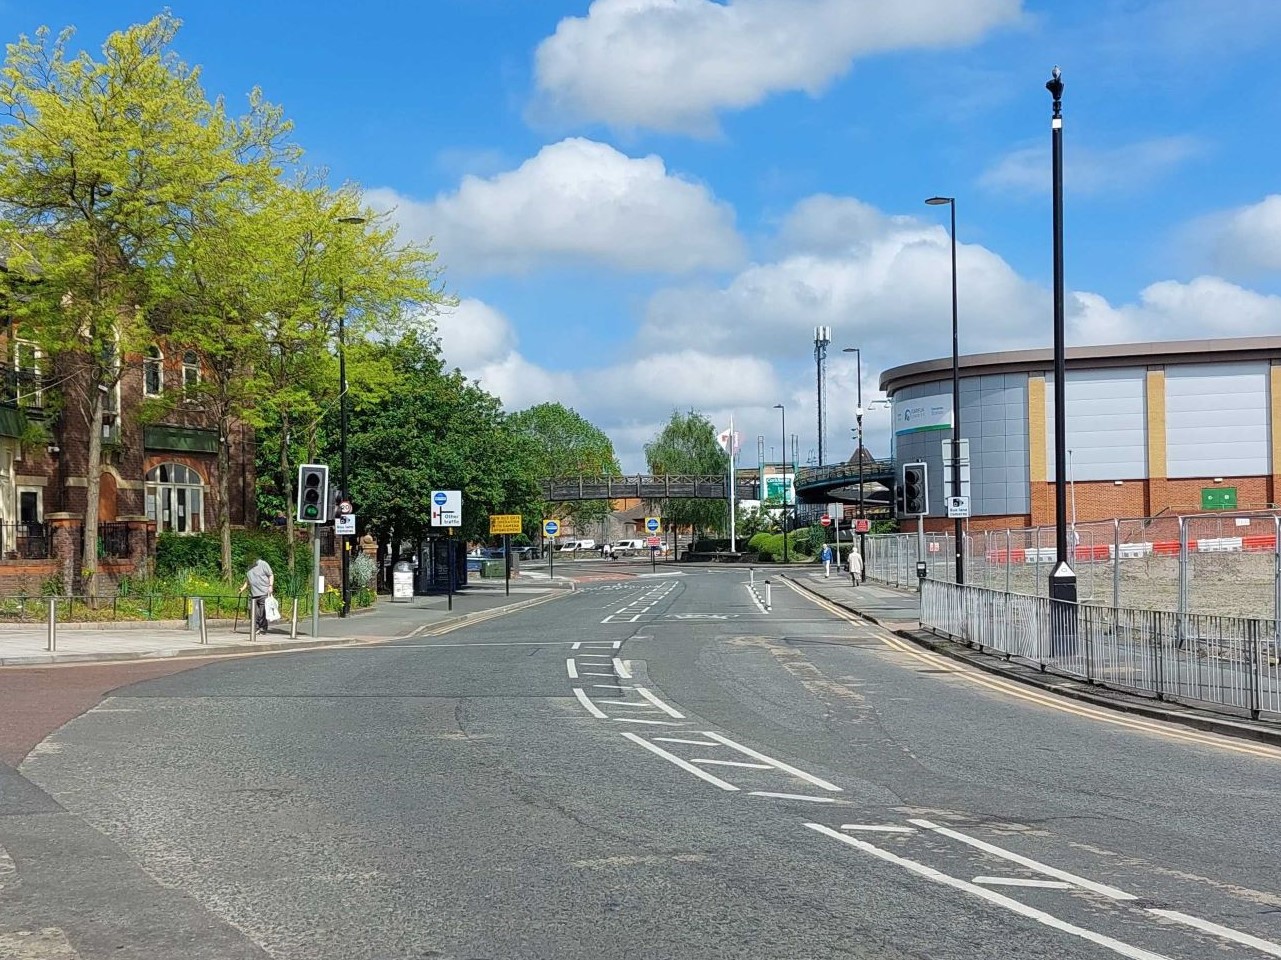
x=1180, y=427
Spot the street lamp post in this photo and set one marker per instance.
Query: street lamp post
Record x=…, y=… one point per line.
x=858, y=452
x=959, y=530
x=342, y=427
x=783, y=412
x=1062, y=578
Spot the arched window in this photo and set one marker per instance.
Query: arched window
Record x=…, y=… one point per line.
x=190, y=369
x=153, y=372
x=175, y=498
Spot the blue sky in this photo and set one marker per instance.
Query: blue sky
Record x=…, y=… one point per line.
x=649, y=204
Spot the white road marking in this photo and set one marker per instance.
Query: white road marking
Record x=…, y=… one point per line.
x=807, y=777
x=792, y=796
x=576, y=646
x=1227, y=933
x=1021, y=882
x=670, y=711
x=991, y=896
x=596, y=656
x=733, y=763
x=618, y=644
x=621, y=669
x=587, y=674
x=597, y=646
x=594, y=710
x=634, y=706
x=1028, y=862
x=683, y=764
x=608, y=686
x=755, y=599
x=877, y=828
x=573, y=670
x=608, y=619
x=653, y=723
x=695, y=743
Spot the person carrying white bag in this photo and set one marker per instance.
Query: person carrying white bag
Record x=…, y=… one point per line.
x=260, y=581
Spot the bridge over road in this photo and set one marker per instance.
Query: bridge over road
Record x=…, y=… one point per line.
x=646, y=487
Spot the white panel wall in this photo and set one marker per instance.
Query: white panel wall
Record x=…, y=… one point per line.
x=1216, y=418
x=1106, y=424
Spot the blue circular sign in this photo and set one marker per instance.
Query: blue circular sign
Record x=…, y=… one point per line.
x=439, y=498
x=551, y=528
x=652, y=524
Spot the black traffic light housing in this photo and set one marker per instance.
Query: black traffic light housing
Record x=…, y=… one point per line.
x=916, y=496
x=313, y=493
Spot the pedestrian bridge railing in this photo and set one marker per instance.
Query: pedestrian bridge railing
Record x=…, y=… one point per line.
x=1225, y=663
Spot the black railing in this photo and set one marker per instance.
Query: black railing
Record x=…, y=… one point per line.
x=113, y=540
x=22, y=388
x=328, y=546
x=24, y=541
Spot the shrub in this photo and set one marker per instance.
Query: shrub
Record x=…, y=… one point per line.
x=361, y=571
x=202, y=553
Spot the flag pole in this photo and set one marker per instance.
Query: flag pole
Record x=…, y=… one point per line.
x=733, y=475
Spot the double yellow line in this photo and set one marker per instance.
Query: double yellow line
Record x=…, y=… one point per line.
x=1052, y=701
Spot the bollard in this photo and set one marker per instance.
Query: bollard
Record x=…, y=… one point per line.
x=293, y=621
x=751, y=572
x=53, y=625
x=768, y=605
x=200, y=614
x=253, y=619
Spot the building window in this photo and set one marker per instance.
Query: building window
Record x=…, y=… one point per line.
x=28, y=366
x=175, y=498
x=111, y=402
x=190, y=370
x=153, y=372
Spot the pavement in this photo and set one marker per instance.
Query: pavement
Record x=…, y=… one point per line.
x=899, y=611
x=27, y=644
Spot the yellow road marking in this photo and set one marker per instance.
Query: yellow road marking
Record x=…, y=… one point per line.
x=1012, y=688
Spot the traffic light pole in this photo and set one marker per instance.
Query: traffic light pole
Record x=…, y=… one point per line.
x=315, y=581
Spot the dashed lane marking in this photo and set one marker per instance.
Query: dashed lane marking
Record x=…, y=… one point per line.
x=732, y=763
x=680, y=762
x=779, y=764
x=670, y=711
x=791, y=796
x=572, y=668
x=594, y=710
x=1022, y=882
x=620, y=668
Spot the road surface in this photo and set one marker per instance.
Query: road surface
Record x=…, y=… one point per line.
x=651, y=767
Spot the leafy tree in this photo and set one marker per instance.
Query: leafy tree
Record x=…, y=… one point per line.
x=435, y=431
x=559, y=442
x=100, y=170
x=687, y=446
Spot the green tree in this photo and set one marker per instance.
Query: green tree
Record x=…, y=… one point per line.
x=100, y=170
x=687, y=446
x=559, y=442
x=435, y=431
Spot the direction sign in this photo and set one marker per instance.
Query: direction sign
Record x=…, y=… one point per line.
x=446, y=508
x=551, y=527
x=862, y=526
x=345, y=525
x=504, y=523
x=653, y=525
x=825, y=520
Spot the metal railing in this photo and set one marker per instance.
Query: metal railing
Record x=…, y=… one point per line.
x=113, y=540
x=104, y=608
x=22, y=388
x=1227, y=663
x=25, y=541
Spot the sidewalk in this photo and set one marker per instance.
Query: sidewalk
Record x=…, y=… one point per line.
x=26, y=644
x=899, y=611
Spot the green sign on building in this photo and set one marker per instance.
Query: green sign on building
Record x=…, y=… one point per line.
x=1218, y=498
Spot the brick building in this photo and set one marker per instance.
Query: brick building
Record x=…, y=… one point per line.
x=1181, y=426
x=156, y=477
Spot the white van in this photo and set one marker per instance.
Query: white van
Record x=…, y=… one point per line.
x=573, y=546
x=629, y=546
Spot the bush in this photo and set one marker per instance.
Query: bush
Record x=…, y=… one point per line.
x=770, y=546
x=201, y=553
x=361, y=572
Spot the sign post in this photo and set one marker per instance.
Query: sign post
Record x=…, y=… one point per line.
x=653, y=526
x=550, y=529
x=447, y=511
x=506, y=524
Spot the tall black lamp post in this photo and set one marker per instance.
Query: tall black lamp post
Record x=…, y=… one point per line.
x=1062, y=577
x=783, y=411
x=858, y=419
x=344, y=545
x=959, y=530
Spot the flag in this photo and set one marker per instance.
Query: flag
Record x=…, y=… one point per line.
x=730, y=441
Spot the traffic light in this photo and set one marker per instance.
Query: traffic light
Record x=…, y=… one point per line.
x=900, y=505
x=313, y=493
x=916, y=497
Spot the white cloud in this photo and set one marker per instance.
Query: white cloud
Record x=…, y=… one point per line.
x=1169, y=310
x=575, y=201
x=1245, y=240
x=671, y=64
x=473, y=334
x=1092, y=171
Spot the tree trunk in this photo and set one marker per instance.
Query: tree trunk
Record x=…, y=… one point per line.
x=224, y=495
x=287, y=479
x=89, y=561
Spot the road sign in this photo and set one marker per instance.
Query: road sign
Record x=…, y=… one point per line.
x=958, y=508
x=446, y=508
x=504, y=523
x=654, y=542
x=653, y=525
x=825, y=520
x=551, y=527
x=344, y=507
x=862, y=526
x=345, y=525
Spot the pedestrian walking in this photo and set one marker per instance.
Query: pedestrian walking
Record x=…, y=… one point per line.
x=826, y=557
x=856, y=566
x=260, y=581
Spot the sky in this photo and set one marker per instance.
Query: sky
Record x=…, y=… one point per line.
x=647, y=206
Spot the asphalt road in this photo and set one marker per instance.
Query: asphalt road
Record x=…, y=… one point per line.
x=654, y=767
